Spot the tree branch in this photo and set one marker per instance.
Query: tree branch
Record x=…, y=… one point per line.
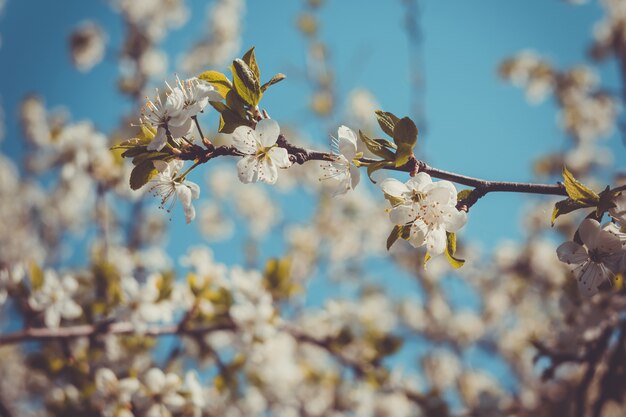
x=299, y=155
x=44, y=333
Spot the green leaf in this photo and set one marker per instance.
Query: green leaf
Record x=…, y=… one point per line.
x=151, y=156
x=566, y=206
x=275, y=79
x=250, y=59
x=246, y=83
x=375, y=166
x=577, y=191
x=132, y=143
x=229, y=119
x=451, y=250
x=395, y=234
x=405, y=137
x=387, y=121
x=377, y=148
x=141, y=174
x=218, y=80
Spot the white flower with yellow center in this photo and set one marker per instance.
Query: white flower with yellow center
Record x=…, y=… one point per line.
x=262, y=156
x=54, y=299
x=168, y=117
x=169, y=187
x=601, y=250
x=342, y=171
x=429, y=207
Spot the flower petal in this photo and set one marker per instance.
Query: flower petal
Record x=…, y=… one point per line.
x=355, y=176
x=247, y=169
x=159, y=140
x=572, y=253
x=403, y=214
x=154, y=380
x=280, y=157
x=590, y=277
x=418, y=233
x=244, y=139
x=436, y=241
x=195, y=189
x=588, y=231
x=393, y=187
x=267, y=131
x=442, y=192
x=347, y=142
x=268, y=172
x=419, y=182
x=453, y=219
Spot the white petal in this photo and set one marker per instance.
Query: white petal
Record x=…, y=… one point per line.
x=403, y=214
x=184, y=194
x=267, y=131
x=419, y=182
x=159, y=141
x=105, y=380
x=590, y=277
x=195, y=189
x=418, y=233
x=268, y=172
x=606, y=242
x=588, y=231
x=453, y=219
x=393, y=187
x=174, y=401
x=355, y=176
x=52, y=317
x=70, y=310
x=247, y=169
x=180, y=126
x=244, y=139
x=442, y=192
x=572, y=253
x=280, y=156
x=347, y=142
x=154, y=380
x=436, y=241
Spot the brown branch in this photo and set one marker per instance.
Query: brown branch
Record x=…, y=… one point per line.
x=301, y=155
x=44, y=333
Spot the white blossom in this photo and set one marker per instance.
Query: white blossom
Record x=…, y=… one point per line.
x=160, y=394
x=167, y=186
x=54, y=298
x=619, y=211
x=114, y=395
x=342, y=171
x=168, y=117
x=593, y=259
x=262, y=156
x=429, y=207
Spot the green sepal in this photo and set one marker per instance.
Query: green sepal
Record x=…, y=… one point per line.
x=219, y=81
x=451, y=250
x=141, y=174
x=405, y=137
x=398, y=231
x=387, y=121
x=566, y=206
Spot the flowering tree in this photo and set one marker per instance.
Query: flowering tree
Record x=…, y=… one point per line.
x=124, y=332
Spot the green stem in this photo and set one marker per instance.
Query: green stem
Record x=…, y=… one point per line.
x=184, y=174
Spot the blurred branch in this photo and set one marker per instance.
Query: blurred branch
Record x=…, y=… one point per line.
x=70, y=332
